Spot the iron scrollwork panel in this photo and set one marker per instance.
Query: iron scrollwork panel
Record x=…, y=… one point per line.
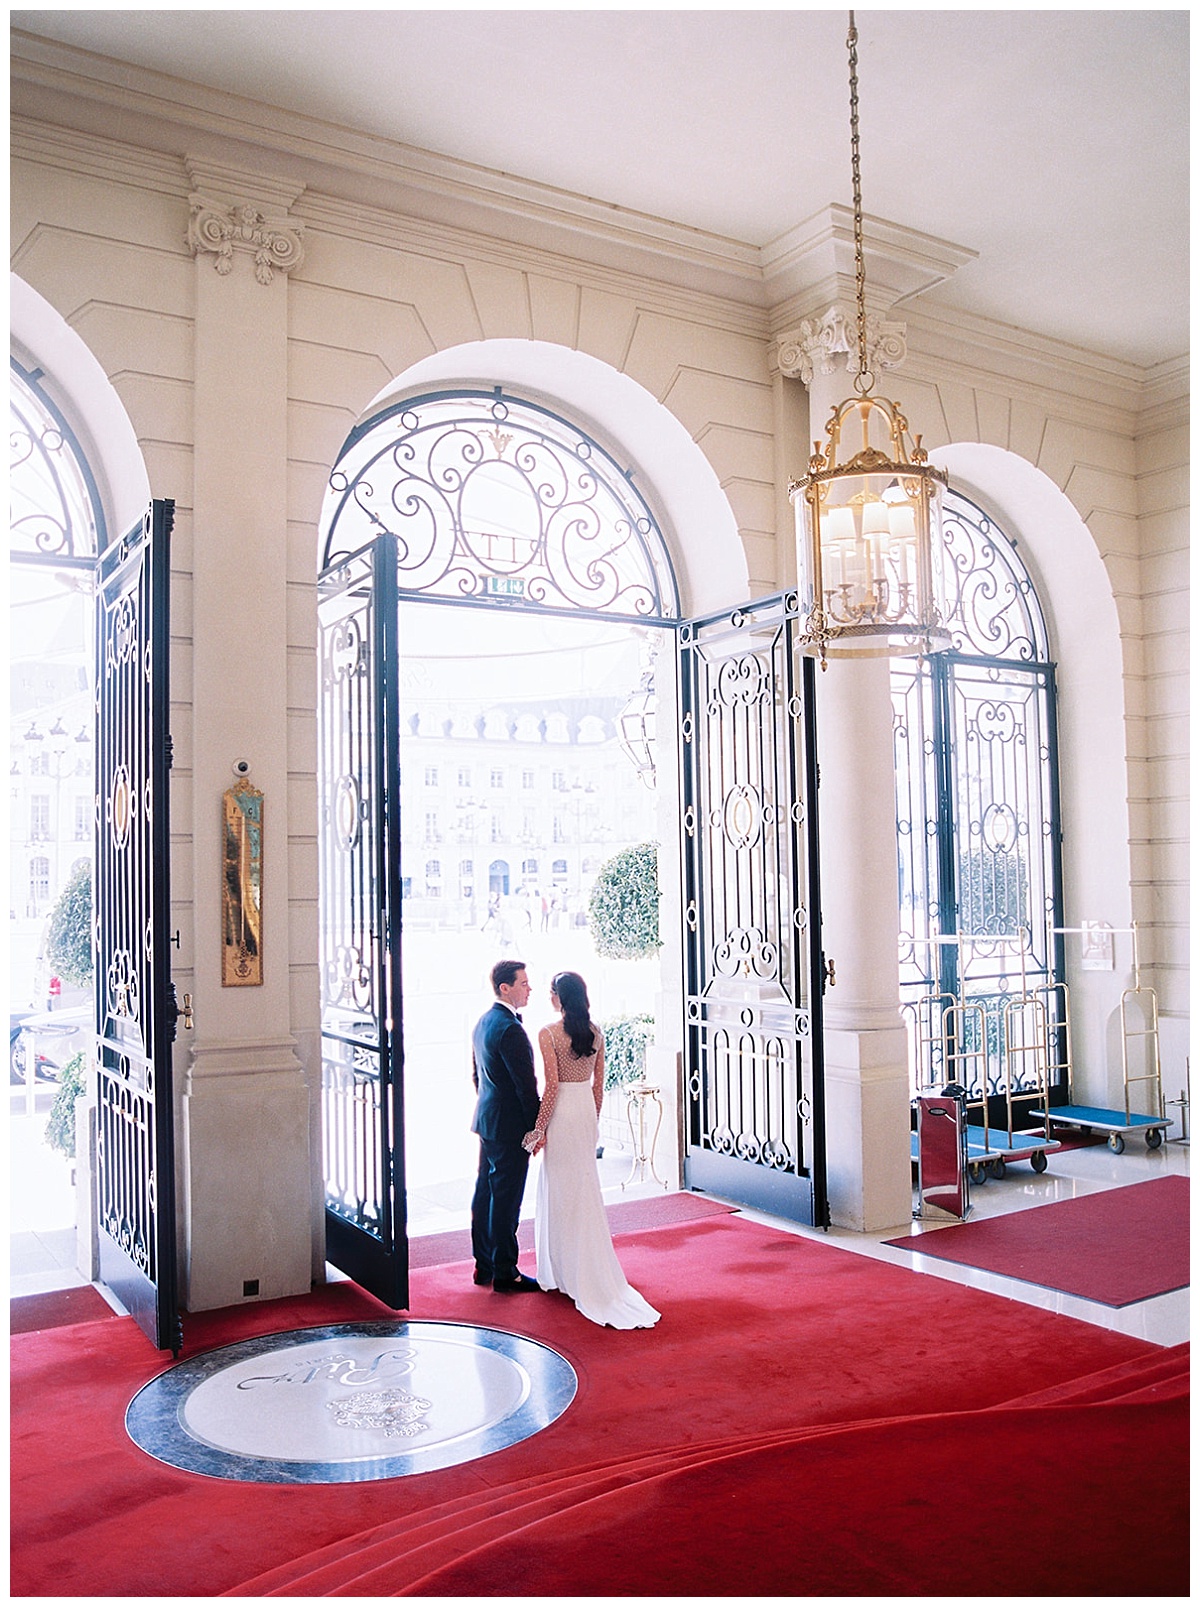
x=1006, y=855
x=753, y=1085
x=134, y=997
x=359, y=869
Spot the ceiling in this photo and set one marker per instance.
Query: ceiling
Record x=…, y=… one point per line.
x=1054, y=144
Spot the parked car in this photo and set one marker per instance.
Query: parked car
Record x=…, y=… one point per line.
x=53, y=1036
x=18, y=1051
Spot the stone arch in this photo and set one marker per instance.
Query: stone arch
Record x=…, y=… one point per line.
x=695, y=517
x=42, y=339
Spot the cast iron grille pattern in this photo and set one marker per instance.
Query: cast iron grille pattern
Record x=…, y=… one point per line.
x=747, y=896
x=354, y=1004
x=494, y=499
x=54, y=511
x=978, y=824
x=135, y=1010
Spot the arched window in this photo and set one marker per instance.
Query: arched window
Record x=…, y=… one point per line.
x=56, y=527
x=495, y=499
x=978, y=817
x=55, y=516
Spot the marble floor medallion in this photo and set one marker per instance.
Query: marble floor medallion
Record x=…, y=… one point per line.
x=351, y=1402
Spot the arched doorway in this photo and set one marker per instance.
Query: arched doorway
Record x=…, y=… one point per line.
x=121, y=822
x=979, y=824
x=487, y=504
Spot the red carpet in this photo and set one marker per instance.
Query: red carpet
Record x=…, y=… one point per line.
x=1114, y=1247
x=626, y=1216
x=776, y=1358
x=60, y=1307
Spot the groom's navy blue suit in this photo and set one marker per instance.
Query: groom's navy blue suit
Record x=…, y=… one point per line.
x=506, y=1110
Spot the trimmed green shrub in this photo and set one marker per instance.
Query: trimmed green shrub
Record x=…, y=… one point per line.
x=625, y=1038
x=623, y=910
x=69, y=933
x=60, y=1125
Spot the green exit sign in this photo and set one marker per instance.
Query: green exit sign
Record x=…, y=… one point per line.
x=505, y=586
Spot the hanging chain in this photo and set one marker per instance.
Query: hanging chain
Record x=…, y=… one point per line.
x=864, y=379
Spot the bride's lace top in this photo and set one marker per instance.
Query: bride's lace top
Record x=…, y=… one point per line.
x=562, y=1064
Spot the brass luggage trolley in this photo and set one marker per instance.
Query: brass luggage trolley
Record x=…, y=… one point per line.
x=957, y=1025
x=1139, y=1026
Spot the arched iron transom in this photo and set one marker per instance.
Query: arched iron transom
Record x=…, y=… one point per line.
x=494, y=499
x=54, y=509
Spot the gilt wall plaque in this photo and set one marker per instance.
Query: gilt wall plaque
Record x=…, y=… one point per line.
x=241, y=887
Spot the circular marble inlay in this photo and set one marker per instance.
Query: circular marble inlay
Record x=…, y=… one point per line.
x=350, y=1403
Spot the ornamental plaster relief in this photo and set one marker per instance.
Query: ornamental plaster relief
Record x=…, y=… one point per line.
x=814, y=346
x=276, y=243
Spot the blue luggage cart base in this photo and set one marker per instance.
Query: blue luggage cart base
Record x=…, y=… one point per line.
x=1113, y=1122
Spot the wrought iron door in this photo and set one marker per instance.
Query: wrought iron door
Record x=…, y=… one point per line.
x=361, y=1039
x=134, y=997
x=754, y=1081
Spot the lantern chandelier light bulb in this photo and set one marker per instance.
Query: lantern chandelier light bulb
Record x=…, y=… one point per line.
x=868, y=512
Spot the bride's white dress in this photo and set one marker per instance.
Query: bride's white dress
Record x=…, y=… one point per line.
x=574, y=1246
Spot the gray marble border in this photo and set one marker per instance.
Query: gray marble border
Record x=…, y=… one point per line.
x=154, y=1418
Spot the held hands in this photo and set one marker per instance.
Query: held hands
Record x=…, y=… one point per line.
x=533, y=1142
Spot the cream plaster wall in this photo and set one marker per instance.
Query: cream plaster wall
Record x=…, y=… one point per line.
x=99, y=230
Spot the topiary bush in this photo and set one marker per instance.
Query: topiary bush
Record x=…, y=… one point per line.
x=69, y=933
x=60, y=1125
x=623, y=909
x=625, y=1040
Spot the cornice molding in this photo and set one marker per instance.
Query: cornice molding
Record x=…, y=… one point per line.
x=813, y=265
x=49, y=75
x=353, y=220
x=65, y=99
x=33, y=140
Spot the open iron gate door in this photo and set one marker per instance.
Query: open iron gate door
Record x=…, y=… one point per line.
x=754, y=1075
x=361, y=1039
x=135, y=1008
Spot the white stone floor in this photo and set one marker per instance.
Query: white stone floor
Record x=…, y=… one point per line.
x=42, y=1236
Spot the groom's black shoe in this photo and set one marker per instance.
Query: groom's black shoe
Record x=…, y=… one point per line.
x=520, y=1285
x=481, y=1276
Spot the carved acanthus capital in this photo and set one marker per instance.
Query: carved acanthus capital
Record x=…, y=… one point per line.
x=815, y=344
x=276, y=243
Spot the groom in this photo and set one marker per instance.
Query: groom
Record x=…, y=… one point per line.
x=502, y=1070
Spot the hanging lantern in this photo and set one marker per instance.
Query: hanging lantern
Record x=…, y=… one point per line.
x=868, y=513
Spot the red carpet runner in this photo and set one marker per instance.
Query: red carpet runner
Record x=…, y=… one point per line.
x=803, y=1420
x=1115, y=1247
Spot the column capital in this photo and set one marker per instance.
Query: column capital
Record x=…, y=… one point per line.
x=222, y=229
x=813, y=346
x=234, y=210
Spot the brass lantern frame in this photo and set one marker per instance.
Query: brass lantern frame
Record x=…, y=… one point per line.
x=868, y=528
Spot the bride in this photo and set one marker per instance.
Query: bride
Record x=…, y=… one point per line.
x=574, y=1247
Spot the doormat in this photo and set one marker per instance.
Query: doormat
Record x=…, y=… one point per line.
x=350, y=1403
x=58, y=1308
x=1115, y=1247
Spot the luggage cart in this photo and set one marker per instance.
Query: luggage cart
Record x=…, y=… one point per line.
x=990, y=1147
x=1119, y=1124
x=953, y=1025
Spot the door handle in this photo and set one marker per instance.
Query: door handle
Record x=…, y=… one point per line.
x=186, y=1014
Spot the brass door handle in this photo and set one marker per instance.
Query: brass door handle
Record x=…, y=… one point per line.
x=186, y=1014
x=830, y=978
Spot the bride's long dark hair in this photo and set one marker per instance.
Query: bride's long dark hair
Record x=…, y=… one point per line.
x=573, y=996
